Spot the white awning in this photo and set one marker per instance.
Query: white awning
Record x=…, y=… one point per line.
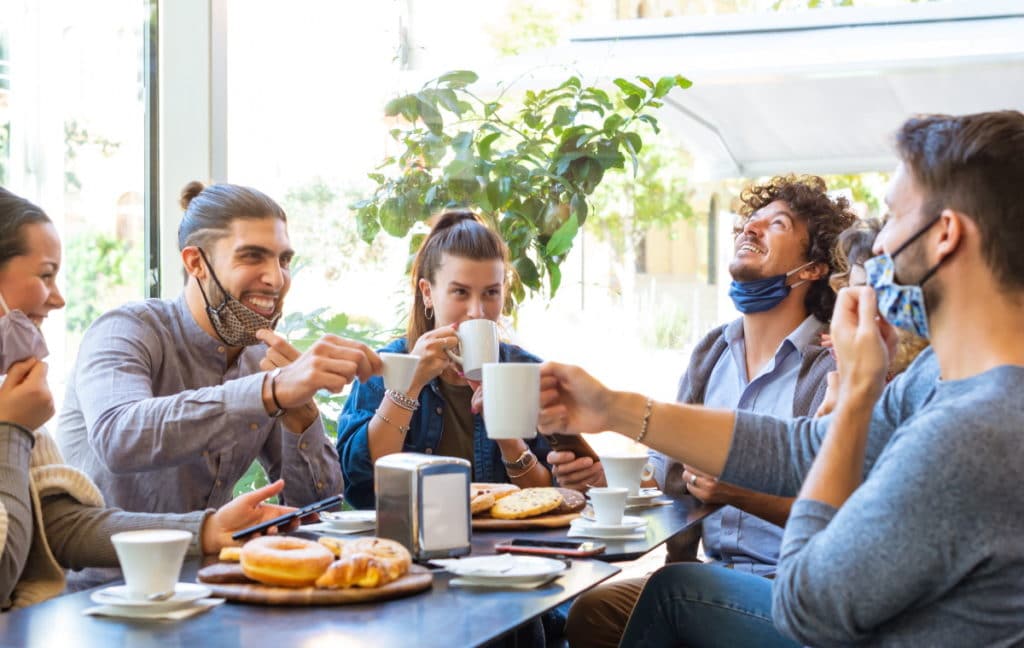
x=815, y=91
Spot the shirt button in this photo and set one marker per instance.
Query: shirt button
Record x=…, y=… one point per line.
x=439, y=411
x=429, y=451
x=220, y=483
x=319, y=485
x=254, y=426
x=220, y=349
x=303, y=445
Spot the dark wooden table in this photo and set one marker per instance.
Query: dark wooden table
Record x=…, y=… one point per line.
x=443, y=617
x=663, y=522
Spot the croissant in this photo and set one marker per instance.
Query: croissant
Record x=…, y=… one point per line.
x=355, y=570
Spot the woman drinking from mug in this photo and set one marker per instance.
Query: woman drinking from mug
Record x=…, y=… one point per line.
x=52, y=515
x=459, y=274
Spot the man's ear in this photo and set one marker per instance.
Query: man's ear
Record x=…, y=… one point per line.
x=192, y=260
x=952, y=232
x=814, y=272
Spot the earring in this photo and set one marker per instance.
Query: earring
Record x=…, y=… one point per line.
x=428, y=312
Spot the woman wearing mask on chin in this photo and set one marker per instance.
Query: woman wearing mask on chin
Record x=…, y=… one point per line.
x=459, y=274
x=52, y=516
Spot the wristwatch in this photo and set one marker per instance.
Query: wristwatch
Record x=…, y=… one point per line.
x=279, y=412
x=524, y=460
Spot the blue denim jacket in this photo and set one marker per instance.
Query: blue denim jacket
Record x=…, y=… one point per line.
x=424, y=431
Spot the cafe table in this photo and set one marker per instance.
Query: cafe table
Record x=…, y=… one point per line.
x=664, y=520
x=443, y=616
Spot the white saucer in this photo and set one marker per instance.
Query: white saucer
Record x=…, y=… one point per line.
x=350, y=520
x=645, y=496
x=184, y=593
x=629, y=523
x=505, y=568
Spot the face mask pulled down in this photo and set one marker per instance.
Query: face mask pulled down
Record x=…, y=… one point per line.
x=902, y=306
x=233, y=322
x=762, y=294
x=20, y=338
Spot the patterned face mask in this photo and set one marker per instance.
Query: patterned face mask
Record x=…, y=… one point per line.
x=232, y=320
x=902, y=305
x=20, y=338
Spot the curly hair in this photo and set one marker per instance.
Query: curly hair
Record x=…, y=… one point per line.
x=853, y=248
x=824, y=217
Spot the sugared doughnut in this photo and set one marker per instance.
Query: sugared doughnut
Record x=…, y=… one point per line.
x=280, y=560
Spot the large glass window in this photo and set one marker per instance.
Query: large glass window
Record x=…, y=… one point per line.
x=72, y=140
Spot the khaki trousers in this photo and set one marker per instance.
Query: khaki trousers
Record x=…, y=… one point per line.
x=598, y=617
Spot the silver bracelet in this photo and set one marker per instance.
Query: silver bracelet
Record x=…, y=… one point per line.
x=404, y=429
x=643, y=423
x=403, y=401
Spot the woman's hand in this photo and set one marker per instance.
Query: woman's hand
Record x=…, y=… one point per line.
x=571, y=401
x=577, y=473
x=862, y=340
x=244, y=511
x=25, y=397
x=432, y=349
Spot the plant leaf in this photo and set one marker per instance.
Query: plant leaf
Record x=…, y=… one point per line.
x=458, y=78
x=629, y=88
x=554, y=275
x=561, y=241
x=527, y=272
x=578, y=208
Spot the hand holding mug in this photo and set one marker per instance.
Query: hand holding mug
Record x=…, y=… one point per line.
x=479, y=344
x=572, y=401
x=25, y=397
x=431, y=348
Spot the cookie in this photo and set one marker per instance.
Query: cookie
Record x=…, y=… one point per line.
x=528, y=502
x=481, y=503
x=497, y=489
x=573, y=501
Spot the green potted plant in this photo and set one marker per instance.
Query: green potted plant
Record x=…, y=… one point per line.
x=529, y=161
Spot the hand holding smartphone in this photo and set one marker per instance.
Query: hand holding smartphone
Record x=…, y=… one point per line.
x=572, y=443
x=573, y=548
x=282, y=520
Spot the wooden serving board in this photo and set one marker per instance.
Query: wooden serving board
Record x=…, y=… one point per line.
x=416, y=580
x=538, y=522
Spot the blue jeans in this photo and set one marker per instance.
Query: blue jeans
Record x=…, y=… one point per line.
x=697, y=605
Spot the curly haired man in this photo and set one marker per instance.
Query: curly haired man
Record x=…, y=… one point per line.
x=769, y=361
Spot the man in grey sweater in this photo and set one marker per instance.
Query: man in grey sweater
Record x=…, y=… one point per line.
x=906, y=530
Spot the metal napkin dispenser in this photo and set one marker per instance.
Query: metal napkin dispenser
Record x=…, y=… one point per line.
x=423, y=503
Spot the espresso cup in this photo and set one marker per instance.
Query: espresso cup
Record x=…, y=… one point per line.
x=151, y=559
x=627, y=471
x=397, y=369
x=511, y=399
x=478, y=344
x=608, y=503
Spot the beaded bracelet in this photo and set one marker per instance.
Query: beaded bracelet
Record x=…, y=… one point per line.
x=403, y=401
x=644, y=421
x=404, y=429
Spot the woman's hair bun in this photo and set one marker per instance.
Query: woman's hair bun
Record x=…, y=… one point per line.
x=190, y=191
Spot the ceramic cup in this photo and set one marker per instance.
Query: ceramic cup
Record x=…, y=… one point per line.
x=398, y=370
x=627, y=471
x=478, y=344
x=608, y=503
x=511, y=399
x=151, y=559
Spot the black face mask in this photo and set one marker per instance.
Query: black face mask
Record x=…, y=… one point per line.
x=232, y=320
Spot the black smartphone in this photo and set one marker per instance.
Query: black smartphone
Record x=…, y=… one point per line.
x=298, y=514
x=573, y=443
x=550, y=547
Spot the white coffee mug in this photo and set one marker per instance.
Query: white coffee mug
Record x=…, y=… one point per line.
x=627, y=471
x=511, y=399
x=398, y=369
x=609, y=504
x=151, y=559
x=478, y=342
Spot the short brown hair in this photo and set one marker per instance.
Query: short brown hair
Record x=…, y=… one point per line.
x=824, y=217
x=210, y=210
x=974, y=164
x=459, y=233
x=853, y=248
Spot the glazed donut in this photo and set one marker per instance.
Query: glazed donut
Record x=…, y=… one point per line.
x=279, y=560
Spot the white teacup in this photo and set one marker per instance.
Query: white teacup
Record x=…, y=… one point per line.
x=511, y=399
x=478, y=342
x=151, y=559
x=398, y=370
x=609, y=504
x=627, y=471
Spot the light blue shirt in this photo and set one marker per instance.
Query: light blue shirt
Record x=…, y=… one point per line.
x=731, y=536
